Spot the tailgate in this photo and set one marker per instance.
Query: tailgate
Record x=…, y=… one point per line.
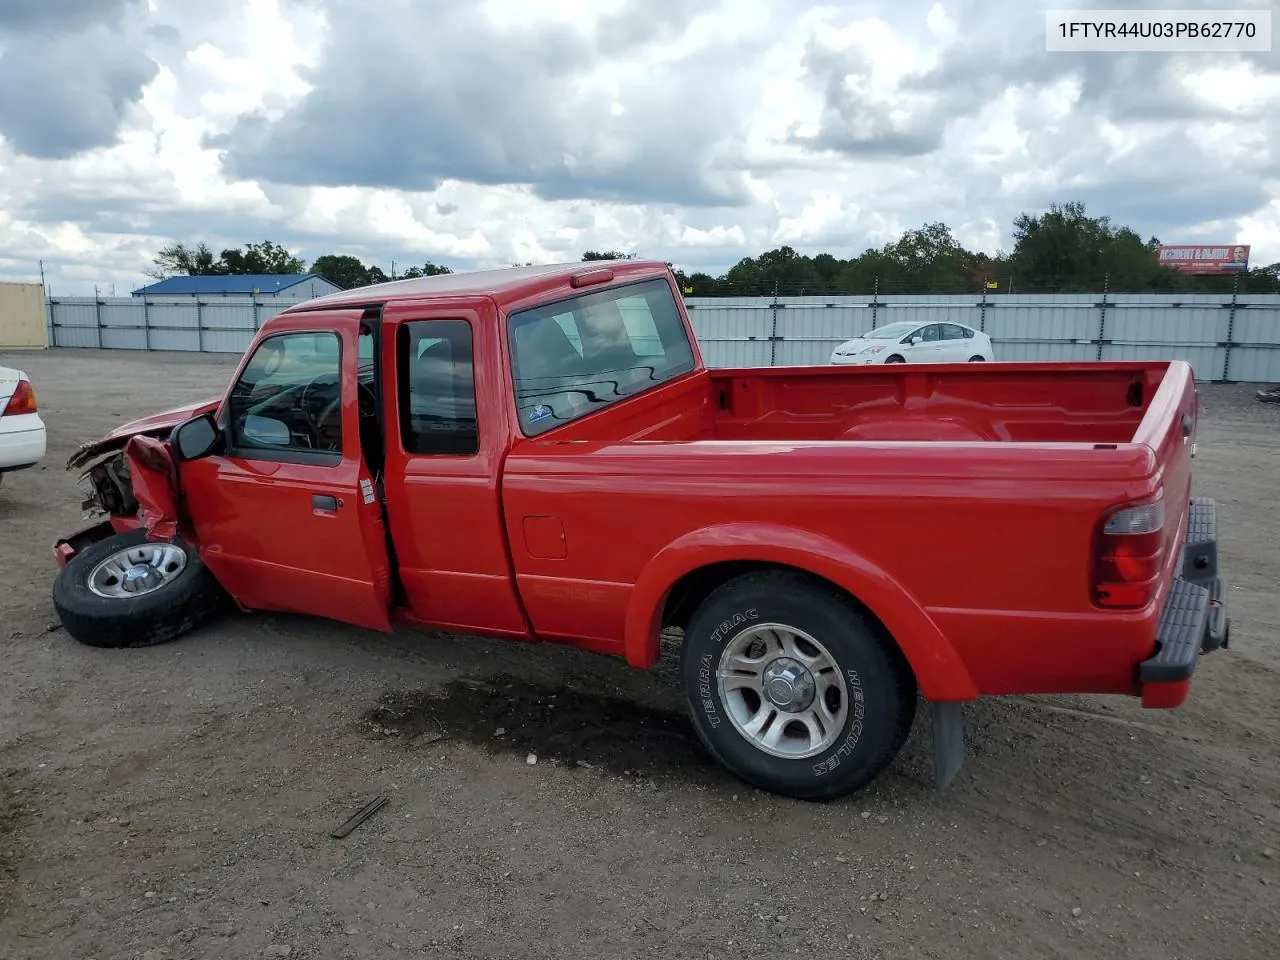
x=1169, y=429
x=1193, y=615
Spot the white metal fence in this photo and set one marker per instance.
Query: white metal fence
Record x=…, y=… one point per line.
x=1223, y=337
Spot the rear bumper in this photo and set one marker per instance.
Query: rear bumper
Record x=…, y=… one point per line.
x=22, y=441
x=1194, y=619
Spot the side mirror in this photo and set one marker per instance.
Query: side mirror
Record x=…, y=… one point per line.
x=916, y=340
x=195, y=438
x=267, y=431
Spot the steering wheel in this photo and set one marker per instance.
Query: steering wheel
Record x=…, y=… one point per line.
x=327, y=426
x=325, y=422
x=305, y=396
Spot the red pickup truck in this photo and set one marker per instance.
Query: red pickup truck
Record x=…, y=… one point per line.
x=539, y=453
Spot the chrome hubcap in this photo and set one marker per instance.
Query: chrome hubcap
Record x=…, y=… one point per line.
x=783, y=691
x=137, y=570
x=788, y=685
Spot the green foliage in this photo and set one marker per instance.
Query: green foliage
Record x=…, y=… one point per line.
x=198, y=261
x=1061, y=250
x=271, y=258
x=428, y=269
x=347, y=271
x=607, y=255
x=181, y=260
x=264, y=257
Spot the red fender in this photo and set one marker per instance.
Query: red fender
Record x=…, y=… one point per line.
x=155, y=484
x=940, y=672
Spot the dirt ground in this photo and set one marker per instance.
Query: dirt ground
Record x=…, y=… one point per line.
x=176, y=802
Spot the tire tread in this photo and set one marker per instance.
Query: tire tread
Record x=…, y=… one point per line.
x=902, y=684
x=156, y=618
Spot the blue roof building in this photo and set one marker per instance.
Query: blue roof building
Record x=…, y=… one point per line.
x=301, y=286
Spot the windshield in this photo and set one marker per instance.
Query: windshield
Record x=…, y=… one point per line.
x=890, y=331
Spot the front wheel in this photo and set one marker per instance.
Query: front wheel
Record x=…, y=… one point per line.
x=977, y=359
x=896, y=359
x=792, y=690
x=128, y=591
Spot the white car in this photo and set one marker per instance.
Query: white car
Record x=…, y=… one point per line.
x=22, y=433
x=916, y=343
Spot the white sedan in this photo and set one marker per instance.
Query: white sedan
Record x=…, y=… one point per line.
x=916, y=343
x=22, y=433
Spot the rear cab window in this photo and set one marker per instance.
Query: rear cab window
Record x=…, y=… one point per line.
x=436, y=373
x=578, y=355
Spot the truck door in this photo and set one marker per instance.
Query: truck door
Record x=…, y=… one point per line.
x=447, y=432
x=286, y=513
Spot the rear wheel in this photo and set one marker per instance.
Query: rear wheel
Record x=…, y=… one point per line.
x=791, y=689
x=977, y=359
x=127, y=591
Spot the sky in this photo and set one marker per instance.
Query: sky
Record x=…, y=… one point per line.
x=481, y=133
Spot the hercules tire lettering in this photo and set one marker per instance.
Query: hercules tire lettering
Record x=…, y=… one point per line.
x=879, y=685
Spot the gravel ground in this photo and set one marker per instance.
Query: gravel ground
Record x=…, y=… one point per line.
x=175, y=802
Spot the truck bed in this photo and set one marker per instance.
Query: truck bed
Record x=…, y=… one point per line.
x=1002, y=469
x=1096, y=403
x=1071, y=403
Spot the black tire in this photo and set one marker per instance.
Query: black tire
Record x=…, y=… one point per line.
x=896, y=359
x=166, y=613
x=864, y=745
x=977, y=359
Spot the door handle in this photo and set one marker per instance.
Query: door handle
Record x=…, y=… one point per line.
x=321, y=502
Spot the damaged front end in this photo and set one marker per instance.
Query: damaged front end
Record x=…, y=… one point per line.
x=107, y=488
x=108, y=504
x=108, y=496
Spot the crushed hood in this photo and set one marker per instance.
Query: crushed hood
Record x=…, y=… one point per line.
x=154, y=425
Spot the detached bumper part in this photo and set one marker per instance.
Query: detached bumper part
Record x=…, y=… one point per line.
x=67, y=547
x=1194, y=619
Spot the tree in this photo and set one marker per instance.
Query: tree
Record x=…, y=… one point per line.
x=781, y=271
x=1066, y=250
x=428, y=269
x=264, y=257
x=607, y=255
x=347, y=271
x=180, y=260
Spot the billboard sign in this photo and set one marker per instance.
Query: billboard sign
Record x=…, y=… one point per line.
x=1233, y=258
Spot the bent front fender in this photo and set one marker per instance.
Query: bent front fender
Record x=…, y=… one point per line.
x=155, y=485
x=939, y=670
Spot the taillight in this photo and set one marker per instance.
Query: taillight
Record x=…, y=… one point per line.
x=1129, y=555
x=22, y=401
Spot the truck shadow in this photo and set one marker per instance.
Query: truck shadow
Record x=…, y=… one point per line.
x=507, y=714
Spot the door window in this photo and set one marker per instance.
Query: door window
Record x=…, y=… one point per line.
x=287, y=404
x=953, y=331
x=436, y=364
x=930, y=334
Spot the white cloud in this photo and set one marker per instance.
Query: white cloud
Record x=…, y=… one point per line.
x=688, y=131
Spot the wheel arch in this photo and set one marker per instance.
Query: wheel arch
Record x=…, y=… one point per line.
x=688, y=570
